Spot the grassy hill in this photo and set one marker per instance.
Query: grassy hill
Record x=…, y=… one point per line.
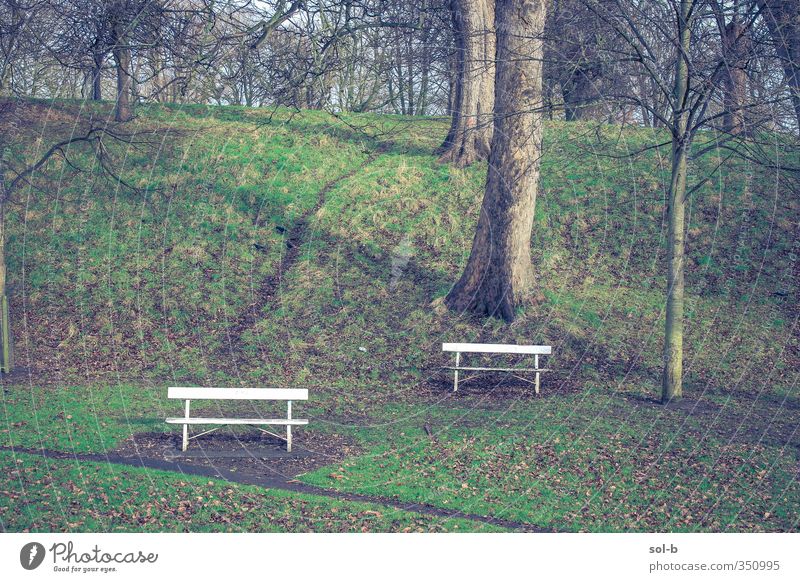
x=303, y=249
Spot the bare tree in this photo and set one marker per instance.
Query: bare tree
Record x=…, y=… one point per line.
x=17, y=19
x=703, y=67
x=783, y=19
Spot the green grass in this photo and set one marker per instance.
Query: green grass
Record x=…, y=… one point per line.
x=80, y=418
x=582, y=466
x=587, y=461
x=117, y=293
x=95, y=418
x=60, y=496
x=153, y=283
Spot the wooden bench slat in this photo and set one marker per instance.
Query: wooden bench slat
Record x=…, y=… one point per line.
x=198, y=393
x=497, y=349
x=197, y=420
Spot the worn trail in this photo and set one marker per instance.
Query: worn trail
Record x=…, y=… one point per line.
x=271, y=481
x=294, y=239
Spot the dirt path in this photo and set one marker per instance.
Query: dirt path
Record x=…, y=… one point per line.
x=294, y=238
x=270, y=481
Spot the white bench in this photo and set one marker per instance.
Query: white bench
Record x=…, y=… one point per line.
x=534, y=351
x=281, y=394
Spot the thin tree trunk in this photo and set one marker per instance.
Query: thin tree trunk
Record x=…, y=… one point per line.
x=422, y=102
x=410, y=77
x=499, y=277
x=547, y=96
x=392, y=94
x=2, y=250
x=5, y=77
x=470, y=134
x=6, y=340
x=401, y=84
x=642, y=97
x=672, y=381
x=451, y=91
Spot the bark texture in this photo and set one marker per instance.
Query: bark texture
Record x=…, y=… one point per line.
x=97, y=77
x=6, y=343
x=734, y=49
x=499, y=276
x=672, y=378
x=122, y=57
x=470, y=134
x=582, y=97
x=2, y=247
x=122, y=13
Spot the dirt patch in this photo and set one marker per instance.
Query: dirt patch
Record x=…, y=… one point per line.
x=249, y=454
x=691, y=406
x=497, y=388
x=34, y=114
x=754, y=421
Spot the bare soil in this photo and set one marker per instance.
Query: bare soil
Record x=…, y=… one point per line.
x=244, y=454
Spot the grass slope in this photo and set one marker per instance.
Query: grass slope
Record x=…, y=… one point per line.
x=117, y=292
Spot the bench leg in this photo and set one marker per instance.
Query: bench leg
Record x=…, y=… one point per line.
x=455, y=378
x=289, y=427
x=186, y=430
x=536, y=365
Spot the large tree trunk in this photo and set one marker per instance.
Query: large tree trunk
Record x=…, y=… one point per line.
x=672, y=380
x=122, y=57
x=97, y=70
x=783, y=20
x=470, y=134
x=734, y=50
x=672, y=385
x=499, y=278
x=582, y=98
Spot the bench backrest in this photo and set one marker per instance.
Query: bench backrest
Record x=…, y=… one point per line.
x=196, y=393
x=497, y=349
